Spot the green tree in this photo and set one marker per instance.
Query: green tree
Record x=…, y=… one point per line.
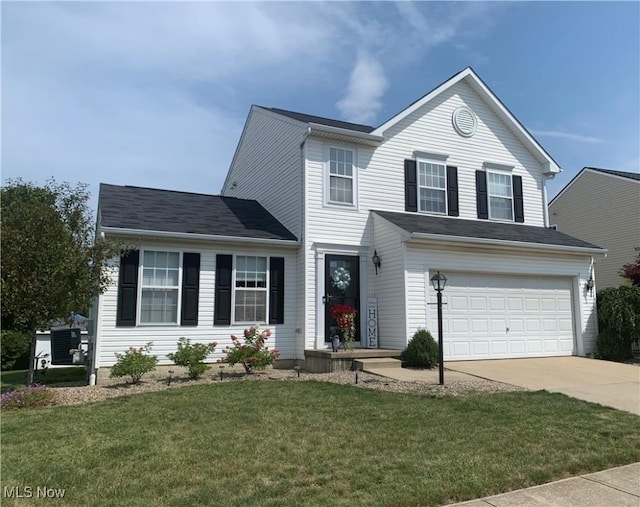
x=52, y=264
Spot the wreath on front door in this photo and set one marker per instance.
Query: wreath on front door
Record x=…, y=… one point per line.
x=341, y=279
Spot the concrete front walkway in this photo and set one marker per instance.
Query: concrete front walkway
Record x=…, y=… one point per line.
x=618, y=487
x=613, y=384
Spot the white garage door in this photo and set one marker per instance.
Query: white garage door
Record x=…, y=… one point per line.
x=501, y=316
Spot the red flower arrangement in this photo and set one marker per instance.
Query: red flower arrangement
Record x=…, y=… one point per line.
x=345, y=316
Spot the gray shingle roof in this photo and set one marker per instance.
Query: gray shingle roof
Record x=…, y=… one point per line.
x=426, y=224
x=148, y=209
x=622, y=174
x=308, y=118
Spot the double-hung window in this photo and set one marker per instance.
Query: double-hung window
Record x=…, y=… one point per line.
x=341, y=176
x=160, y=287
x=250, y=289
x=500, y=196
x=432, y=187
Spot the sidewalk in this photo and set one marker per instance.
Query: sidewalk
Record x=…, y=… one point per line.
x=616, y=487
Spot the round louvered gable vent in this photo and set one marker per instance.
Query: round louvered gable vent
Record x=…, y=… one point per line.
x=464, y=121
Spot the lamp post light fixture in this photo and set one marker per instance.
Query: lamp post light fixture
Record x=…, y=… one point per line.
x=376, y=260
x=439, y=281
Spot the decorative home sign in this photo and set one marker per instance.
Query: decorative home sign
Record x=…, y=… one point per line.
x=372, y=323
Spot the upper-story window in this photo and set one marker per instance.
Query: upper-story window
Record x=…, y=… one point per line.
x=500, y=196
x=159, y=295
x=341, y=176
x=432, y=187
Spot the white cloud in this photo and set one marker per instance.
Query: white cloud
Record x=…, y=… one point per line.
x=568, y=135
x=367, y=85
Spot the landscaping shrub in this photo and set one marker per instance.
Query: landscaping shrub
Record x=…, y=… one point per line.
x=27, y=397
x=192, y=356
x=134, y=363
x=618, y=321
x=421, y=351
x=252, y=354
x=14, y=350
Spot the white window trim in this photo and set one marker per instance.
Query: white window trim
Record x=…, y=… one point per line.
x=140, y=287
x=234, y=288
x=327, y=177
x=418, y=186
x=513, y=211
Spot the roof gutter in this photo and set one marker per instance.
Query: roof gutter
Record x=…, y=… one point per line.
x=506, y=244
x=197, y=237
x=326, y=129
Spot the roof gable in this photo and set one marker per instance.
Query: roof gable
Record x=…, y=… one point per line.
x=168, y=211
x=497, y=106
x=596, y=170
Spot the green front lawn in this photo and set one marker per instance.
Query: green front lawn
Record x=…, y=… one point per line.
x=15, y=378
x=278, y=443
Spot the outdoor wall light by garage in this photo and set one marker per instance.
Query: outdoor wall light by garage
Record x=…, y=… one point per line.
x=589, y=284
x=376, y=260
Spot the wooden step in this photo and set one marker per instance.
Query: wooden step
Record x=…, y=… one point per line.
x=365, y=364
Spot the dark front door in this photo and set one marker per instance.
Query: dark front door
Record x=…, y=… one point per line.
x=341, y=286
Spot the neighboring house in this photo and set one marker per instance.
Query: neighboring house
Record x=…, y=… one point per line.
x=602, y=206
x=451, y=183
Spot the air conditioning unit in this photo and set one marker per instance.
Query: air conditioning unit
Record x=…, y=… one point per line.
x=63, y=342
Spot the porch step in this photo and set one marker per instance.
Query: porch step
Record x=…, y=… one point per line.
x=365, y=364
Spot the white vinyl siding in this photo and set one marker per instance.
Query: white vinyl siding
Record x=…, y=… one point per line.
x=429, y=130
x=250, y=289
x=432, y=187
x=112, y=339
x=159, y=290
x=500, y=190
x=268, y=166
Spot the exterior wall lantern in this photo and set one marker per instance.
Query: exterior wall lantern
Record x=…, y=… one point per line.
x=376, y=260
x=589, y=284
x=439, y=281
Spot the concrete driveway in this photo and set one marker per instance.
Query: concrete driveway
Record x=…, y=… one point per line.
x=613, y=384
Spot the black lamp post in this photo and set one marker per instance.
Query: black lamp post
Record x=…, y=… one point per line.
x=439, y=281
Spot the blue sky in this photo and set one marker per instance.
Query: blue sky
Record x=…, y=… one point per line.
x=156, y=93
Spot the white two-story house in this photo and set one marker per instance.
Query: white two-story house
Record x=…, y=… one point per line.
x=453, y=183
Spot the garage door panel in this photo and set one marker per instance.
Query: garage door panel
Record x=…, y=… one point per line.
x=534, y=346
x=517, y=347
x=496, y=304
x=505, y=316
x=479, y=326
x=516, y=325
x=478, y=304
x=532, y=305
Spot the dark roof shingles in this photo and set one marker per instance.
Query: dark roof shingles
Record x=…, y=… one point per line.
x=426, y=224
x=308, y=118
x=148, y=209
x=622, y=174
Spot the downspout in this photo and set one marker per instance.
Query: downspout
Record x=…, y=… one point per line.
x=303, y=331
x=545, y=204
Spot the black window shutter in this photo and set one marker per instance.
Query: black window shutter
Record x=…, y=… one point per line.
x=222, y=305
x=410, y=186
x=128, y=289
x=518, y=199
x=190, y=288
x=276, y=290
x=481, y=195
x=452, y=191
